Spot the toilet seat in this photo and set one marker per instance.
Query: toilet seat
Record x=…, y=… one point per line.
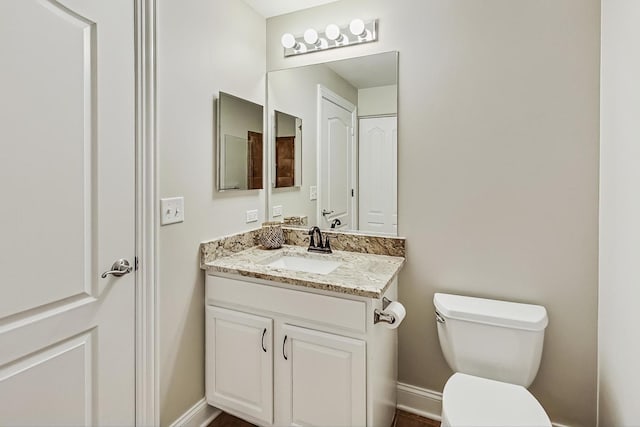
x=474, y=401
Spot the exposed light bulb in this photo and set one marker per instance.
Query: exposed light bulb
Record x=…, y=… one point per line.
x=357, y=28
x=289, y=41
x=311, y=36
x=333, y=33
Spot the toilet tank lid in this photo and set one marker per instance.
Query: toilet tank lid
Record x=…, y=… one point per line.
x=492, y=312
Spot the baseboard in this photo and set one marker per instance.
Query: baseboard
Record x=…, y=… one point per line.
x=419, y=401
x=200, y=415
x=426, y=403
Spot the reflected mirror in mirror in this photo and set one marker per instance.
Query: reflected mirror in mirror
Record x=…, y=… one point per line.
x=240, y=145
x=348, y=159
x=287, y=150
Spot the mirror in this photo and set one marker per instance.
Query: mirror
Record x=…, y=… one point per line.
x=240, y=146
x=347, y=175
x=287, y=150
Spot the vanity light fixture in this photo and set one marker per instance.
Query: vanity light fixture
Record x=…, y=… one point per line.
x=358, y=31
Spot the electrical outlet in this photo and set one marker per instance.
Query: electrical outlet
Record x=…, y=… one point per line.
x=277, y=211
x=313, y=192
x=252, y=215
x=171, y=210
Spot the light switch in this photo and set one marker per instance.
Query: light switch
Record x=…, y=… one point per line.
x=277, y=211
x=171, y=210
x=252, y=215
x=313, y=192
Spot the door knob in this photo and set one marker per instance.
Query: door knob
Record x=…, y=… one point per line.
x=119, y=268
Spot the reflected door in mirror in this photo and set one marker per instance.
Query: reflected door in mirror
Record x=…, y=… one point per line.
x=378, y=159
x=337, y=162
x=254, y=160
x=285, y=157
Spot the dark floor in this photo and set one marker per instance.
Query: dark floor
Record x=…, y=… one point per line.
x=403, y=419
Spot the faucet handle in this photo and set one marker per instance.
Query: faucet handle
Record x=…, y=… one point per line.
x=327, y=246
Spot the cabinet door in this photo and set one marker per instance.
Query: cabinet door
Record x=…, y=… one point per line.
x=321, y=378
x=239, y=362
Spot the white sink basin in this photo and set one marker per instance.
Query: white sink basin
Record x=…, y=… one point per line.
x=302, y=263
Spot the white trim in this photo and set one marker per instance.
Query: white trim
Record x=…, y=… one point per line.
x=326, y=93
x=419, y=401
x=426, y=403
x=199, y=415
x=146, y=377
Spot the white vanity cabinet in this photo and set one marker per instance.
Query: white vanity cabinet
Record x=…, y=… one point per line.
x=285, y=355
x=323, y=380
x=238, y=345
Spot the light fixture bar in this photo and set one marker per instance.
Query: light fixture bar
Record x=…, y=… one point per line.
x=357, y=32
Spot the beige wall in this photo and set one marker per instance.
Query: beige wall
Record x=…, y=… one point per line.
x=619, y=347
x=498, y=169
x=376, y=101
x=201, y=50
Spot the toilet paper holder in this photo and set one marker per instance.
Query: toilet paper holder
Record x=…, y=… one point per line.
x=380, y=316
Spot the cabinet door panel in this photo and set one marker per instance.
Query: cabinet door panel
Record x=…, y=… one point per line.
x=239, y=372
x=323, y=379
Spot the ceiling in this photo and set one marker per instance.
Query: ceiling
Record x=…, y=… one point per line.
x=269, y=8
x=367, y=71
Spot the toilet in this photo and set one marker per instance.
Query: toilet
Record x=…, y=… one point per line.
x=494, y=348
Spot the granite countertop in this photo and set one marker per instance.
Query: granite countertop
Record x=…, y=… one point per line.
x=360, y=274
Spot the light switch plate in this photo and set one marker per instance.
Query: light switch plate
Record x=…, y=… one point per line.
x=252, y=215
x=313, y=192
x=171, y=210
x=277, y=211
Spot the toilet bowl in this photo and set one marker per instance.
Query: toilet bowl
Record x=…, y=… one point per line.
x=495, y=348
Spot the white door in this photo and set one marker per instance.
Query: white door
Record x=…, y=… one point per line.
x=323, y=379
x=336, y=166
x=239, y=362
x=377, y=172
x=67, y=179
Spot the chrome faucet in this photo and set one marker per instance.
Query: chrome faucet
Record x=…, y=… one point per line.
x=319, y=245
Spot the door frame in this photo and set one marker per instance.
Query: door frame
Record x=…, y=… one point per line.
x=147, y=407
x=326, y=93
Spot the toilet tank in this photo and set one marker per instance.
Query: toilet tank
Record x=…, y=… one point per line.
x=492, y=339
